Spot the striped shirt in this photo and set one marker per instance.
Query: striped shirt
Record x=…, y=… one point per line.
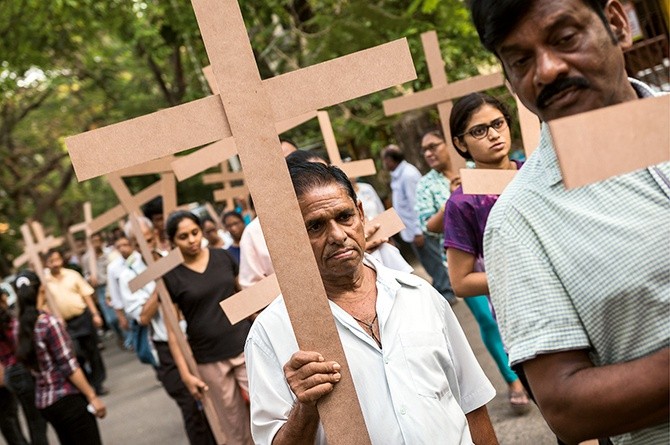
x=586, y=268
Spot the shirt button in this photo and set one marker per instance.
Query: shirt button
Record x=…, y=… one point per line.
x=403, y=410
x=386, y=360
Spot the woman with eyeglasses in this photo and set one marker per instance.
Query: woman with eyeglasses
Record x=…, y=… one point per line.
x=480, y=127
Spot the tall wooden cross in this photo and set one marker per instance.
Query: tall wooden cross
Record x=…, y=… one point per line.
x=33, y=251
x=353, y=169
x=252, y=106
x=41, y=244
x=85, y=227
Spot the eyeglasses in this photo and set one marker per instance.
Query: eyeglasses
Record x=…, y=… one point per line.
x=482, y=130
x=431, y=147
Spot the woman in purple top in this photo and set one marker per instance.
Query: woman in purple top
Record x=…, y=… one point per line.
x=480, y=126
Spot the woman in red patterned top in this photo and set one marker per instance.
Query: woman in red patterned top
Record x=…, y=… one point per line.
x=62, y=393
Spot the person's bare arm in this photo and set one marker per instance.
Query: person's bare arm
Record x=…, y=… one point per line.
x=195, y=386
x=78, y=379
x=310, y=378
x=464, y=280
x=581, y=401
x=436, y=222
x=481, y=429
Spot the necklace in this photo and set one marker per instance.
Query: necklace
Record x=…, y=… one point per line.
x=370, y=326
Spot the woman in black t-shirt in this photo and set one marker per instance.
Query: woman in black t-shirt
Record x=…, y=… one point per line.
x=197, y=286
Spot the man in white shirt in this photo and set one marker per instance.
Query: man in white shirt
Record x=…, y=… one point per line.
x=416, y=376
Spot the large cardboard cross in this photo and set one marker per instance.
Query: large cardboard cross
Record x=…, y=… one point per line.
x=353, y=169
x=252, y=106
x=33, y=250
x=610, y=141
x=442, y=93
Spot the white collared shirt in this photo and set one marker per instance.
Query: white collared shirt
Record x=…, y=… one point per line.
x=415, y=390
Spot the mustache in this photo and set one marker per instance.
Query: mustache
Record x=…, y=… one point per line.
x=557, y=87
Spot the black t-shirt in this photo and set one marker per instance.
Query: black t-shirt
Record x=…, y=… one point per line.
x=210, y=334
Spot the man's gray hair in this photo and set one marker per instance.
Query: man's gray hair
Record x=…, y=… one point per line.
x=145, y=223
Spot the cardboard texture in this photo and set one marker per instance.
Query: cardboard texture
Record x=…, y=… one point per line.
x=172, y=322
x=252, y=108
x=85, y=227
x=169, y=193
x=611, y=141
x=215, y=216
x=41, y=244
x=251, y=300
x=190, y=165
x=33, y=251
x=353, y=169
x=249, y=110
x=476, y=181
x=187, y=166
x=160, y=268
x=530, y=127
x=162, y=165
x=222, y=177
x=118, y=146
x=229, y=193
x=119, y=212
x=434, y=96
x=389, y=222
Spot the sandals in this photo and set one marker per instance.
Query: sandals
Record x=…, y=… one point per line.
x=519, y=402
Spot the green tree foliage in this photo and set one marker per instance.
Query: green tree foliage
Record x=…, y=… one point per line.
x=67, y=66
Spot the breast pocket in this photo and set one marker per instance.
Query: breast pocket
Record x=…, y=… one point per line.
x=429, y=362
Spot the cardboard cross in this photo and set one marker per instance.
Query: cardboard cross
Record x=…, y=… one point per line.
x=162, y=167
x=252, y=106
x=131, y=206
x=229, y=191
x=353, y=169
x=442, y=93
x=171, y=320
x=598, y=144
x=33, y=251
x=41, y=244
x=86, y=228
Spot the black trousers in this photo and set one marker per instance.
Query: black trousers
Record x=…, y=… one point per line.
x=20, y=382
x=9, y=419
x=85, y=340
x=195, y=422
x=72, y=421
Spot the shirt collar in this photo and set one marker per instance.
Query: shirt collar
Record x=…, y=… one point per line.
x=546, y=146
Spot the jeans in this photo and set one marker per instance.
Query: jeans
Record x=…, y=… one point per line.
x=430, y=256
x=108, y=313
x=20, y=382
x=72, y=421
